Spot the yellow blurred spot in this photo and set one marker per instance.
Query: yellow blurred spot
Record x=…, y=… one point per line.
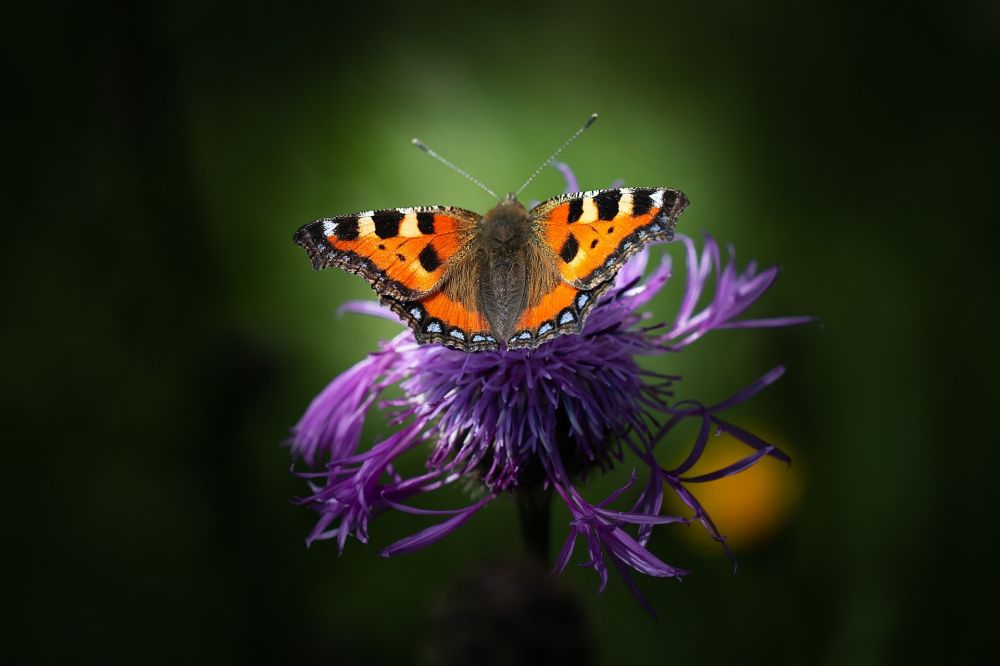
x=748, y=508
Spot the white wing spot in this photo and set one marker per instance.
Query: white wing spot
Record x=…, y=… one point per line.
x=455, y=333
x=581, y=300
x=544, y=328
x=625, y=203
x=657, y=198
x=566, y=318
x=525, y=335
x=329, y=227
x=589, y=210
x=408, y=228
x=417, y=314
x=434, y=327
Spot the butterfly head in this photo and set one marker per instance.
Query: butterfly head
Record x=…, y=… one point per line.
x=507, y=227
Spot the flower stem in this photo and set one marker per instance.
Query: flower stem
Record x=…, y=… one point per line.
x=534, y=502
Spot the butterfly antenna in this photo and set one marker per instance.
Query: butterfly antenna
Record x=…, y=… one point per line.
x=423, y=146
x=590, y=121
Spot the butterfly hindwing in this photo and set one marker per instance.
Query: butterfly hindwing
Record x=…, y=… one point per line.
x=439, y=318
x=593, y=233
x=562, y=310
x=403, y=253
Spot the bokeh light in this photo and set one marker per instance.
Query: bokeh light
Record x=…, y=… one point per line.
x=749, y=508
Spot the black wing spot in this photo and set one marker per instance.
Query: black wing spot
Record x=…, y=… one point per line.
x=611, y=230
x=347, y=228
x=425, y=223
x=400, y=257
x=575, y=211
x=428, y=258
x=387, y=223
x=381, y=246
x=569, y=248
x=593, y=244
x=642, y=203
x=607, y=204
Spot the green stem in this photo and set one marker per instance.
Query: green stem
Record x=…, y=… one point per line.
x=534, y=504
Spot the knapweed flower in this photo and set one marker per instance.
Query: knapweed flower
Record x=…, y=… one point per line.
x=501, y=421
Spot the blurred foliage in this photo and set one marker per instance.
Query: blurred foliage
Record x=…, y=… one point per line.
x=164, y=333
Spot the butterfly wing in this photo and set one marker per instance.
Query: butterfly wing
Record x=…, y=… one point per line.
x=594, y=233
x=442, y=319
x=591, y=235
x=562, y=310
x=405, y=254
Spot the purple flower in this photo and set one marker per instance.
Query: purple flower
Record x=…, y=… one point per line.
x=499, y=421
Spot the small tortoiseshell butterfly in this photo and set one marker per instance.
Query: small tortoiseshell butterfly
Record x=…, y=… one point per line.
x=513, y=277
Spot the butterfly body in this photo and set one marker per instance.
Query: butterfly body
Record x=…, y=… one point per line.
x=512, y=278
x=514, y=268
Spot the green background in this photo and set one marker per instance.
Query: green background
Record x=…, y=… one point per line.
x=163, y=333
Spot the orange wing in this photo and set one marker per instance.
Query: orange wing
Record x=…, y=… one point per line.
x=562, y=310
x=438, y=318
x=593, y=233
x=404, y=253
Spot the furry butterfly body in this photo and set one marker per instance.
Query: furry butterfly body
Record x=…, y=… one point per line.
x=512, y=278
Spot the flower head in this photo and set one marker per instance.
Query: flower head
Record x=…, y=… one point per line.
x=506, y=419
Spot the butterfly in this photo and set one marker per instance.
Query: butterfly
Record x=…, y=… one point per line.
x=512, y=278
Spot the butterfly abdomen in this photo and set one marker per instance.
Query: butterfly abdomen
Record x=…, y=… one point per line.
x=503, y=292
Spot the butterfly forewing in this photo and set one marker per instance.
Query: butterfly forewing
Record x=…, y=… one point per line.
x=594, y=233
x=404, y=253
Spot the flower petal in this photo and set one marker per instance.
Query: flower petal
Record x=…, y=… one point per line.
x=571, y=183
x=731, y=469
x=370, y=308
x=431, y=534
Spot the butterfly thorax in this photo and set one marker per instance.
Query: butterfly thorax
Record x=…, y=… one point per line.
x=506, y=228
